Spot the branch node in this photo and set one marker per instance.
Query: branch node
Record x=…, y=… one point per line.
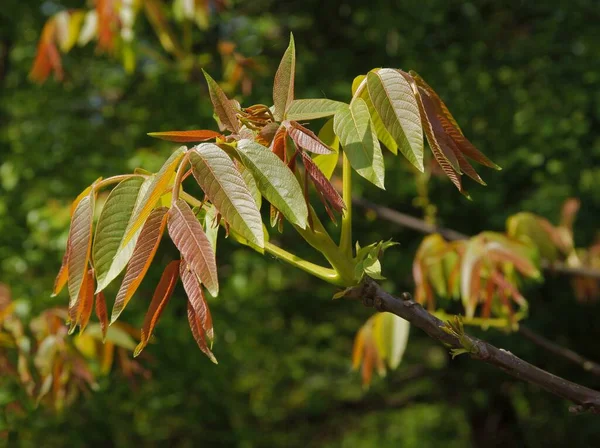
x=379, y=304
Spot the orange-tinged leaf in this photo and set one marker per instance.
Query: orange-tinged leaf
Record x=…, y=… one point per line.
x=87, y=302
x=155, y=191
x=75, y=308
x=358, y=348
x=495, y=252
x=278, y=144
x=80, y=237
x=224, y=107
x=198, y=332
x=322, y=184
x=83, y=194
x=142, y=257
x=305, y=138
x=283, y=85
x=161, y=297
x=189, y=237
x=63, y=272
x=193, y=289
x=186, y=136
x=101, y=313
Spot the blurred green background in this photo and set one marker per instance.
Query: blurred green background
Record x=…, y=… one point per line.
x=523, y=80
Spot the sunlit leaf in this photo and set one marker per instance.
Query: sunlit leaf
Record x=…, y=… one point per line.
x=193, y=289
x=352, y=124
x=328, y=162
x=283, y=85
x=198, y=332
x=312, y=109
x=223, y=106
x=186, y=136
x=224, y=186
x=87, y=302
x=63, y=272
x=155, y=190
x=356, y=82
x=114, y=335
x=101, y=313
x=275, y=181
x=161, y=297
x=322, y=184
x=142, y=257
x=470, y=275
x=189, y=237
x=305, y=138
x=250, y=183
x=110, y=230
x=394, y=100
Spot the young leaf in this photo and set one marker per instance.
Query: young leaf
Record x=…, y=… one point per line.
x=323, y=185
x=161, y=297
x=76, y=307
x=142, y=257
x=63, y=272
x=396, y=331
x=186, y=136
x=328, y=162
x=193, y=289
x=305, y=138
x=312, y=109
x=198, y=332
x=80, y=236
x=101, y=313
x=283, y=86
x=250, y=183
x=155, y=190
x=110, y=230
x=394, y=101
x=352, y=124
x=87, y=302
x=224, y=186
x=275, y=181
x=187, y=234
x=224, y=108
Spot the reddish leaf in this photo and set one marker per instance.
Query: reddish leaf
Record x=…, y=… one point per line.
x=47, y=58
x=189, y=237
x=278, y=144
x=223, y=106
x=193, y=289
x=186, y=136
x=198, y=332
x=102, y=314
x=87, y=302
x=142, y=257
x=283, y=85
x=305, y=138
x=322, y=184
x=63, y=273
x=161, y=297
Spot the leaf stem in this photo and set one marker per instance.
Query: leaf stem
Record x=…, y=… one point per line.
x=179, y=177
x=115, y=180
x=500, y=322
x=346, y=236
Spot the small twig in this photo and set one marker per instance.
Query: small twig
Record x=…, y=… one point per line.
x=419, y=225
x=584, y=363
x=371, y=294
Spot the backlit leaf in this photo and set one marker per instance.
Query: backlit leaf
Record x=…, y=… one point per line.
x=186, y=136
x=394, y=100
x=283, y=85
x=322, y=184
x=155, y=190
x=142, y=257
x=63, y=272
x=101, y=313
x=111, y=227
x=223, y=106
x=87, y=302
x=115, y=335
x=198, y=332
x=189, y=237
x=224, y=186
x=470, y=275
x=305, y=138
x=193, y=289
x=352, y=124
x=80, y=236
x=161, y=297
x=275, y=181
x=328, y=162
x=312, y=109
x=356, y=82
x=250, y=183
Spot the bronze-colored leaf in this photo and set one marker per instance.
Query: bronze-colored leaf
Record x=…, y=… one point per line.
x=193, y=289
x=161, y=297
x=186, y=136
x=142, y=257
x=189, y=237
x=305, y=138
x=87, y=302
x=63, y=272
x=322, y=184
x=198, y=332
x=101, y=313
x=224, y=108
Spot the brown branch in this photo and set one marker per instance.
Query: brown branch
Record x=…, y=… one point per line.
x=419, y=225
x=373, y=295
x=584, y=363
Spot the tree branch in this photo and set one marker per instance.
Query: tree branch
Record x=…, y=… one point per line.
x=584, y=363
x=585, y=399
x=419, y=225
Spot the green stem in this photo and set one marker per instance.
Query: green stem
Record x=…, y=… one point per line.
x=179, y=177
x=115, y=180
x=500, y=322
x=346, y=236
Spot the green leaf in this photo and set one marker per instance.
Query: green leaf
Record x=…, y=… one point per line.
x=283, y=85
x=356, y=83
x=111, y=227
x=224, y=107
x=115, y=334
x=353, y=126
x=328, y=162
x=250, y=183
x=189, y=237
x=275, y=181
x=394, y=100
x=391, y=337
x=141, y=258
x=312, y=109
x=224, y=186
x=80, y=237
x=156, y=189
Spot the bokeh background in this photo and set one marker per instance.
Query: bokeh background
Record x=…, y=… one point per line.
x=523, y=80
